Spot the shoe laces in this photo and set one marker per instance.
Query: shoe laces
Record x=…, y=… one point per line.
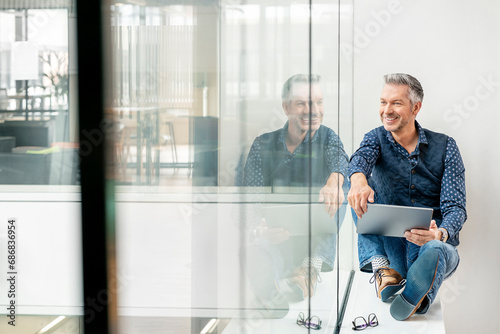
x=378, y=274
x=315, y=276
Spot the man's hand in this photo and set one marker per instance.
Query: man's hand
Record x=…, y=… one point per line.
x=421, y=237
x=275, y=235
x=360, y=194
x=332, y=194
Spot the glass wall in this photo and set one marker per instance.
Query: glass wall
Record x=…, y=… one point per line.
x=40, y=205
x=234, y=129
x=228, y=121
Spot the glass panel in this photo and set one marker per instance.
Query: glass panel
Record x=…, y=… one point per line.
x=35, y=121
x=257, y=64
x=347, y=254
x=40, y=207
x=214, y=232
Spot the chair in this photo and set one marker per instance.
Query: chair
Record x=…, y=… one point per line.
x=170, y=139
x=125, y=138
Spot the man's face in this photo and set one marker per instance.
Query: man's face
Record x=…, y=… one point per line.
x=396, y=111
x=297, y=110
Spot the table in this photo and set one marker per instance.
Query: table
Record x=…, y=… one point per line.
x=147, y=119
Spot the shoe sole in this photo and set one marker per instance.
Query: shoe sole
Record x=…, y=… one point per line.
x=391, y=290
x=421, y=276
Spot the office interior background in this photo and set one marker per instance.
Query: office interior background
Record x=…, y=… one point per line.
x=159, y=102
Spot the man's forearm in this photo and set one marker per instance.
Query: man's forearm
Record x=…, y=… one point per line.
x=334, y=179
x=358, y=179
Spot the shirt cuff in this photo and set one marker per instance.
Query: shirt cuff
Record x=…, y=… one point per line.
x=451, y=231
x=342, y=171
x=353, y=170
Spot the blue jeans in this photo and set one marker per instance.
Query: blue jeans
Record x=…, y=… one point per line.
x=267, y=263
x=289, y=255
x=402, y=254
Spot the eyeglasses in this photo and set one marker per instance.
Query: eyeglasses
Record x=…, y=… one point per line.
x=312, y=322
x=360, y=323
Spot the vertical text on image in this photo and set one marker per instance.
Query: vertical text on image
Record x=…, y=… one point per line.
x=11, y=270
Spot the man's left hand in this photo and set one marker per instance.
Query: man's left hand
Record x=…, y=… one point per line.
x=332, y=194
x=421, y=237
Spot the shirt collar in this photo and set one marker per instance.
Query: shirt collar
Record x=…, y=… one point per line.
x=284, y=131
x=422, y=139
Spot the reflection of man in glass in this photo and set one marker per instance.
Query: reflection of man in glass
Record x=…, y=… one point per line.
x=401, y=163
x=301, y=154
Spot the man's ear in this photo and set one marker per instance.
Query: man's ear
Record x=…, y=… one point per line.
x=416, y=108
x=285, y=107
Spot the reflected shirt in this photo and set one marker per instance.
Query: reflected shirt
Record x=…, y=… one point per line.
x=433, y=175
x=269, y=162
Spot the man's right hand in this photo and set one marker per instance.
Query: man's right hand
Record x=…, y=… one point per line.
x=360, y=194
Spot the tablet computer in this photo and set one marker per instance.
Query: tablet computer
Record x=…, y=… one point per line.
x=295, y=218
x=393, y=220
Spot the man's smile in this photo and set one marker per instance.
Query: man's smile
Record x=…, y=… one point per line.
x=306, y=118
x=390, y=119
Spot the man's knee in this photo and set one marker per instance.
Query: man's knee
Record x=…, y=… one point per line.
x=434, y=244
x=446, y=252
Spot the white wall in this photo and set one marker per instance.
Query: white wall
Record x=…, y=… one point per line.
x=453, y=48
x=48, y=250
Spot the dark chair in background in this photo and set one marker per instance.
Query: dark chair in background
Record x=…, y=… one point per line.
x=30, y=133
x=26, y=156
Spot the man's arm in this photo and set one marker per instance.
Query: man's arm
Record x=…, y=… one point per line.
x=359, y=194
x=453, y=196
x=332, y=194
x=253, y=172
x=253, y=178
x=360, y=168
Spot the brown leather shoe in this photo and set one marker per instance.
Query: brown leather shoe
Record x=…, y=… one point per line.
x=299, y=282
x=387, y=282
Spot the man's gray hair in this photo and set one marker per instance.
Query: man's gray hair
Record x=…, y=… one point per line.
x=297, y=78
x=415, y=90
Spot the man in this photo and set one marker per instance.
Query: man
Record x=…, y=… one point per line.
x=301, y=154
x=401, y=163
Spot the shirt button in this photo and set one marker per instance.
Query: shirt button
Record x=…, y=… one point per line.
x=412, y=186
x=413, y=171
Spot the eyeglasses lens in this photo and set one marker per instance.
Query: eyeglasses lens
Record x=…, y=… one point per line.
x=309, y=323
x=359, y=324
x=372, y=320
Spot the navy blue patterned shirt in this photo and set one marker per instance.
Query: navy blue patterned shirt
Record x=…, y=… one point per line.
x=433, y=175
x=269, y=162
